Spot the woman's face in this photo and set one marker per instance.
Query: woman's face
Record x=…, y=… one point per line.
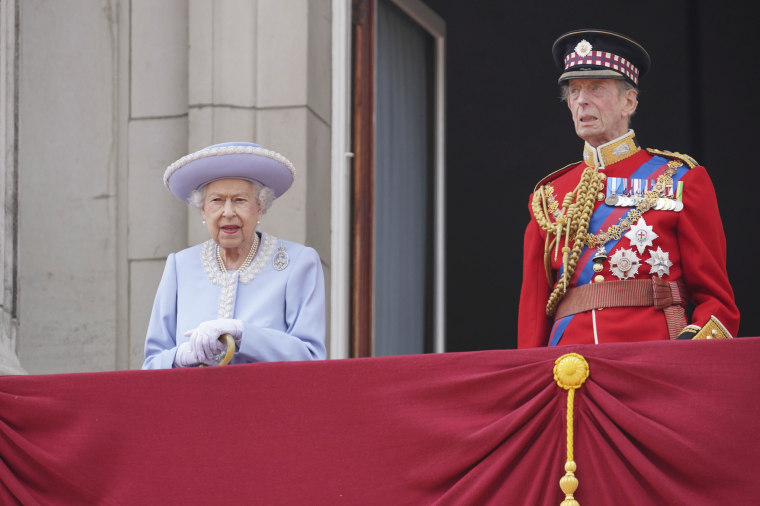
x=231, y=210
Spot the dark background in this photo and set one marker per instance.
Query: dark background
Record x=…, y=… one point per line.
x=506, y=129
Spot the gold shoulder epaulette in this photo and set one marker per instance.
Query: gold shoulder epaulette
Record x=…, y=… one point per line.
x=555, y=174
x=691, y=162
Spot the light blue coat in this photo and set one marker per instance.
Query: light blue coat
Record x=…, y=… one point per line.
x=280, y=298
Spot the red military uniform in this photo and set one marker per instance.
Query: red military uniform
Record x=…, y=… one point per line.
x=669, y=252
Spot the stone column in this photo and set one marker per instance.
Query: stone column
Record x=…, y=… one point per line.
x=157, y=136
x=67, y=161
x=9, y=363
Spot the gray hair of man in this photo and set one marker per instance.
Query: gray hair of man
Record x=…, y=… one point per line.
x=623, y=86
x=264, y=195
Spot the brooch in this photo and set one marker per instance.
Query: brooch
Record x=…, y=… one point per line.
x=281, y=259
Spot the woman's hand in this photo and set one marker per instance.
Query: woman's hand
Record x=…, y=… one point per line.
x=204, y=340
x=185, y=356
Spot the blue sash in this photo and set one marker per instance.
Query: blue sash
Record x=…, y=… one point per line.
x=596, y=222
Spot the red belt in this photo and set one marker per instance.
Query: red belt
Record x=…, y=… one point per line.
x=669, y=296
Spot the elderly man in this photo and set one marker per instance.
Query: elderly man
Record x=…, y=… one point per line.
x=628, y=244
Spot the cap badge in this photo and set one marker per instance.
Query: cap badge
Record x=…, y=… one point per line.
x=583, y=48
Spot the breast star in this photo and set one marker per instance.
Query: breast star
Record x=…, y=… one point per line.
x=660, y=262
x=641, y=235
x=624, y=263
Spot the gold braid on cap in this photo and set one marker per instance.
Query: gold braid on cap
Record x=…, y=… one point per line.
x=570, y=223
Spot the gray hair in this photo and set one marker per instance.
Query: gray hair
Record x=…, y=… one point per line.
x=264, y=195
x=623, y=86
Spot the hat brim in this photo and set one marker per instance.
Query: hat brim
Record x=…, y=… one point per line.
x=591, y=73
x=251, y=163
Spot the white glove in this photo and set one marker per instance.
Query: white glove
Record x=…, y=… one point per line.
x=185, y=356
x=204, y=341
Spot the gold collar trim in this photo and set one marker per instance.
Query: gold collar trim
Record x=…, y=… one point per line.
x=611, y=152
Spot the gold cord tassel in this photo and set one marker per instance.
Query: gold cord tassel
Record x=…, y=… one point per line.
x=576, y=225
x=570, y=372
x=565, y=257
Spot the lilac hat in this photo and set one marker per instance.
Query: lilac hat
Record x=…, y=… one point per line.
x=238, y=160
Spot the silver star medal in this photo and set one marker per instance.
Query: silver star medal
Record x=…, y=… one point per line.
x=660, y=262
x=624, y=263
x=641, y=235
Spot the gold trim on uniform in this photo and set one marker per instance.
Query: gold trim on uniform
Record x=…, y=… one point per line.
x=566, y=220
x=713, y=329
x=611, y=152
x=689, y=161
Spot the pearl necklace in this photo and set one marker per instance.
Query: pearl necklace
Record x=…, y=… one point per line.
x=248, y=259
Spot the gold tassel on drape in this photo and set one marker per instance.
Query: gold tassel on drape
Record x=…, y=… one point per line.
x=570, y=371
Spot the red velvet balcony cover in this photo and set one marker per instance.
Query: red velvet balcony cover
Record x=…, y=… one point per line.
x=663, y=423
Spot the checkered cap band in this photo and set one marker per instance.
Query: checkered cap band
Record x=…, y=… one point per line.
x=604, y=59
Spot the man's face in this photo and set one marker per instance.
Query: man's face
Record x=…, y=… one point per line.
x=600, y=108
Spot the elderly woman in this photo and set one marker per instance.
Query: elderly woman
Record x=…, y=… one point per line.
x=267, y=293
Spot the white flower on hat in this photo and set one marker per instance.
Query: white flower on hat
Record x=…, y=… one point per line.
x=583, y=48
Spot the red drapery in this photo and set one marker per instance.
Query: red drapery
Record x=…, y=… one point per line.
x=655, y=423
